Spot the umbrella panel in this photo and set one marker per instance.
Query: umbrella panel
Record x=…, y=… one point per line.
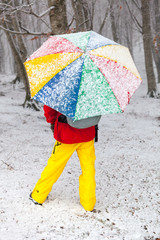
x=95, y=95
x=55, y=45
x=41, y=70
x=61, y=92
x=87, y=41
x=78, y=39
x=122, y=82
x=96, y=41
x=119, y=54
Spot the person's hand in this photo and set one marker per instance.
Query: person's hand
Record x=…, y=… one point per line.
x=52, y=127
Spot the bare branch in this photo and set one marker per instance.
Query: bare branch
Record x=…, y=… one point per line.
x=5, y=5
x=136, y=22
x=30, y=12
x=14, y=9
x=8, y=165
x=71, y=22
x=35, y=14
x=87, y=20
x=24, y=33
x=45, y=12
x=136, y=4
x=92, y=12
x=104, y=20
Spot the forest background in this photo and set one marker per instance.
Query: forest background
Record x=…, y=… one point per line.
x=26, y=24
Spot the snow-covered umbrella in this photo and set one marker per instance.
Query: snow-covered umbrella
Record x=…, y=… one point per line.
x=82, y=75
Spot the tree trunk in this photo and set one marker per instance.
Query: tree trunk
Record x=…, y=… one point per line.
x=1, y=53
x=22, y=73
x=156, y=60
x=156, y=41
x=81, y=15
x=129, y=37
x=78, y=14
x=87, y=16
x=104, y=21
x=19, y=52
x=28, y=102
x=146, y=28
x=113, y=24
x=21, y=47
x=58, y=16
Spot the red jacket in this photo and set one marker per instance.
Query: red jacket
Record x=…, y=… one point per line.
x=64, y=133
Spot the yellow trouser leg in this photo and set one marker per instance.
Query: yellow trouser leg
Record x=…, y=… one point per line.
x=56, y=163
x=87, y=184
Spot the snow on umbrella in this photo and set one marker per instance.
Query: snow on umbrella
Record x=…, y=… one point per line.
x=82, y=75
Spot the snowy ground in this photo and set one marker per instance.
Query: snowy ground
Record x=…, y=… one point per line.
x=127, y=175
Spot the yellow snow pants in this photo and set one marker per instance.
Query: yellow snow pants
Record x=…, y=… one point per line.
x=57, y=162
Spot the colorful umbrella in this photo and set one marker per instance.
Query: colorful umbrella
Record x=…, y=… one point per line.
x=82, y=75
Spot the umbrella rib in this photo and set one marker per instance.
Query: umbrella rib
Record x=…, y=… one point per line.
x=103, y=46
x=79, y=86
x=87, y=42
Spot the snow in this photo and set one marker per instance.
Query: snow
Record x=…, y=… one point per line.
x=127, y=174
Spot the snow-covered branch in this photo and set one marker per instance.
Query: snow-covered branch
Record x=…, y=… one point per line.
x=27, y=32
x=10, y=10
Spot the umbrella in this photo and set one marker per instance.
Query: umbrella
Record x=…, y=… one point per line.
x=82, y=75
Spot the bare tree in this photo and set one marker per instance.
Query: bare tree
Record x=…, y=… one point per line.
x=147, y=36
x=126, y=30
x=143, y=24
x=12, y=24
x=104, y=20
x=17, y=47
x=156, y=35
x=58, y=17
x=113, y=20
x=1, y=52
x=83, y=15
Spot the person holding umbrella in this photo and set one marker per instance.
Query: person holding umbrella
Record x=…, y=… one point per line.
x=81, y=75
x=68, y=140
